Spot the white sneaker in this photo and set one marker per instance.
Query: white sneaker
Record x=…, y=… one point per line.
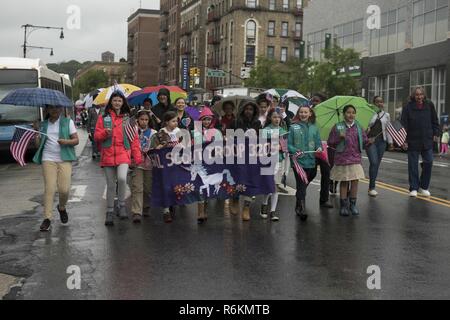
x=413, y=193
x=373, y=193
x=424, y=193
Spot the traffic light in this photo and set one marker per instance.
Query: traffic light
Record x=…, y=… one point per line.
x=328, y=41
x=302, y=50
x=327, y=44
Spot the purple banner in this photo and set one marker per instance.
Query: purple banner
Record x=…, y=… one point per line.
x=178, y=184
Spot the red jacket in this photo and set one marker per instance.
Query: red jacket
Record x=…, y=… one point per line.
x=116, y=154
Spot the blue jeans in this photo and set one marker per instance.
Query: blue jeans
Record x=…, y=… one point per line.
x=375, y=153
x=413, y=169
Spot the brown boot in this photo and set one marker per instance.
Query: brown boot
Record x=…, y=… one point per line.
x=246, y=211
x=234, y=206
x=226, y=207
x=201, y=213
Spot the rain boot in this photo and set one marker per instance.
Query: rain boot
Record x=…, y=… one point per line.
x=200, y=212
x=234, y=206
x=353, y=209
x=264, y=211
x=300, y=210
x=123, y=213
x=246, y=211
x=344, y=208
x=109, y=219
x=227, y=207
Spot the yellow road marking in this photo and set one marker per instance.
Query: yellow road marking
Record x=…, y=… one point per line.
x=403, y=191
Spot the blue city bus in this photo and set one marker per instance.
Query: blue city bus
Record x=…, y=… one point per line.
x=18, y=73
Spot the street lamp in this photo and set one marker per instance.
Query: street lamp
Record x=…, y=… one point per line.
x=33, y=28
x=44, y=48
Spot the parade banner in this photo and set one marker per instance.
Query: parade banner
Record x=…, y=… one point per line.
x=179, y=184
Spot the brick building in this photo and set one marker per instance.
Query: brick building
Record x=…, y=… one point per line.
x=143, y=47
x=228, y=35
x=170, y=42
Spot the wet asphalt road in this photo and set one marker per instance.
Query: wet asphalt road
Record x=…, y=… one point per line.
x=325, y=258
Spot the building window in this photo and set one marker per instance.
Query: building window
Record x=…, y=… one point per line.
x=284, y=29
x=298, y=29
x=430, y=21
x=231, y=31
x=284, y=52
x=271, y=30
x=251, y=3
x=271, y=52
x=388, y=87
x=350, y=35
x=315, y=45
x=251, y=29
x=391, y=36
x=250, y=55
x=285, y=5
x=271, y=4
x=297, y=53
x=299, y=4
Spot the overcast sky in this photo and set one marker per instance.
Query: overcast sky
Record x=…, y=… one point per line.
x=103, y=28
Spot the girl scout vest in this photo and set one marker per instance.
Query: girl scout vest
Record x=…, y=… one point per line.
x=67, y=152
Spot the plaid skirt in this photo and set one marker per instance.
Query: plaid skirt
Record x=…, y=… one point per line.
x=347, y=173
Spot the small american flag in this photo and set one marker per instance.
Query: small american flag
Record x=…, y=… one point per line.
x=131, y=130
x=298, y=168
x=397, y=132
x=19, y=144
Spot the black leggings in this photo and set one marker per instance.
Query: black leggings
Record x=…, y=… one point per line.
x=325, y=170
x=301, y=186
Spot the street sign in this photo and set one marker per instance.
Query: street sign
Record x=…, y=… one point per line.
x=216, y=73
x=185, y=74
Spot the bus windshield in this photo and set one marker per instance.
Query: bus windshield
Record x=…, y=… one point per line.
x=16, y=79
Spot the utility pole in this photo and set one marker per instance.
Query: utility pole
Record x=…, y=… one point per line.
x=33, y=28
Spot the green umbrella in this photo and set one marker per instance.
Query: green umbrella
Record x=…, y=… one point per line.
x=330, y=112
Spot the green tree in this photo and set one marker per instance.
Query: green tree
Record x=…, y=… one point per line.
x=92, y=80
x=327, y=77
x=70, y=67
x=307, y=76
x=266, y=74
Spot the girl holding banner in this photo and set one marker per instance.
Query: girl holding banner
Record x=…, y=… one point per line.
x=303, y=142
x=208, y=135
x=169, y=135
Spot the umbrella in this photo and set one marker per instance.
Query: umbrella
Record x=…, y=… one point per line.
x=277, y=92
x=90, y=97
x=330, y=112
x=193, y=112
x=125, y=88
x=235, y=100
x=37, y=97
x=138, y=97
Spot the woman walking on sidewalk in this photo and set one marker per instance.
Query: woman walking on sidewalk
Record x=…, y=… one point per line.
x=304, y=137
x=377, y=131
x=349, y=139
x=117, y=150
x=141, y=178
x=56, y=153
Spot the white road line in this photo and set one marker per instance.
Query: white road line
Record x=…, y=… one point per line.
x=77, y=193
x=390, y=160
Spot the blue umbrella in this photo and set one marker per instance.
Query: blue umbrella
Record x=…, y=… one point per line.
x=37, y=97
